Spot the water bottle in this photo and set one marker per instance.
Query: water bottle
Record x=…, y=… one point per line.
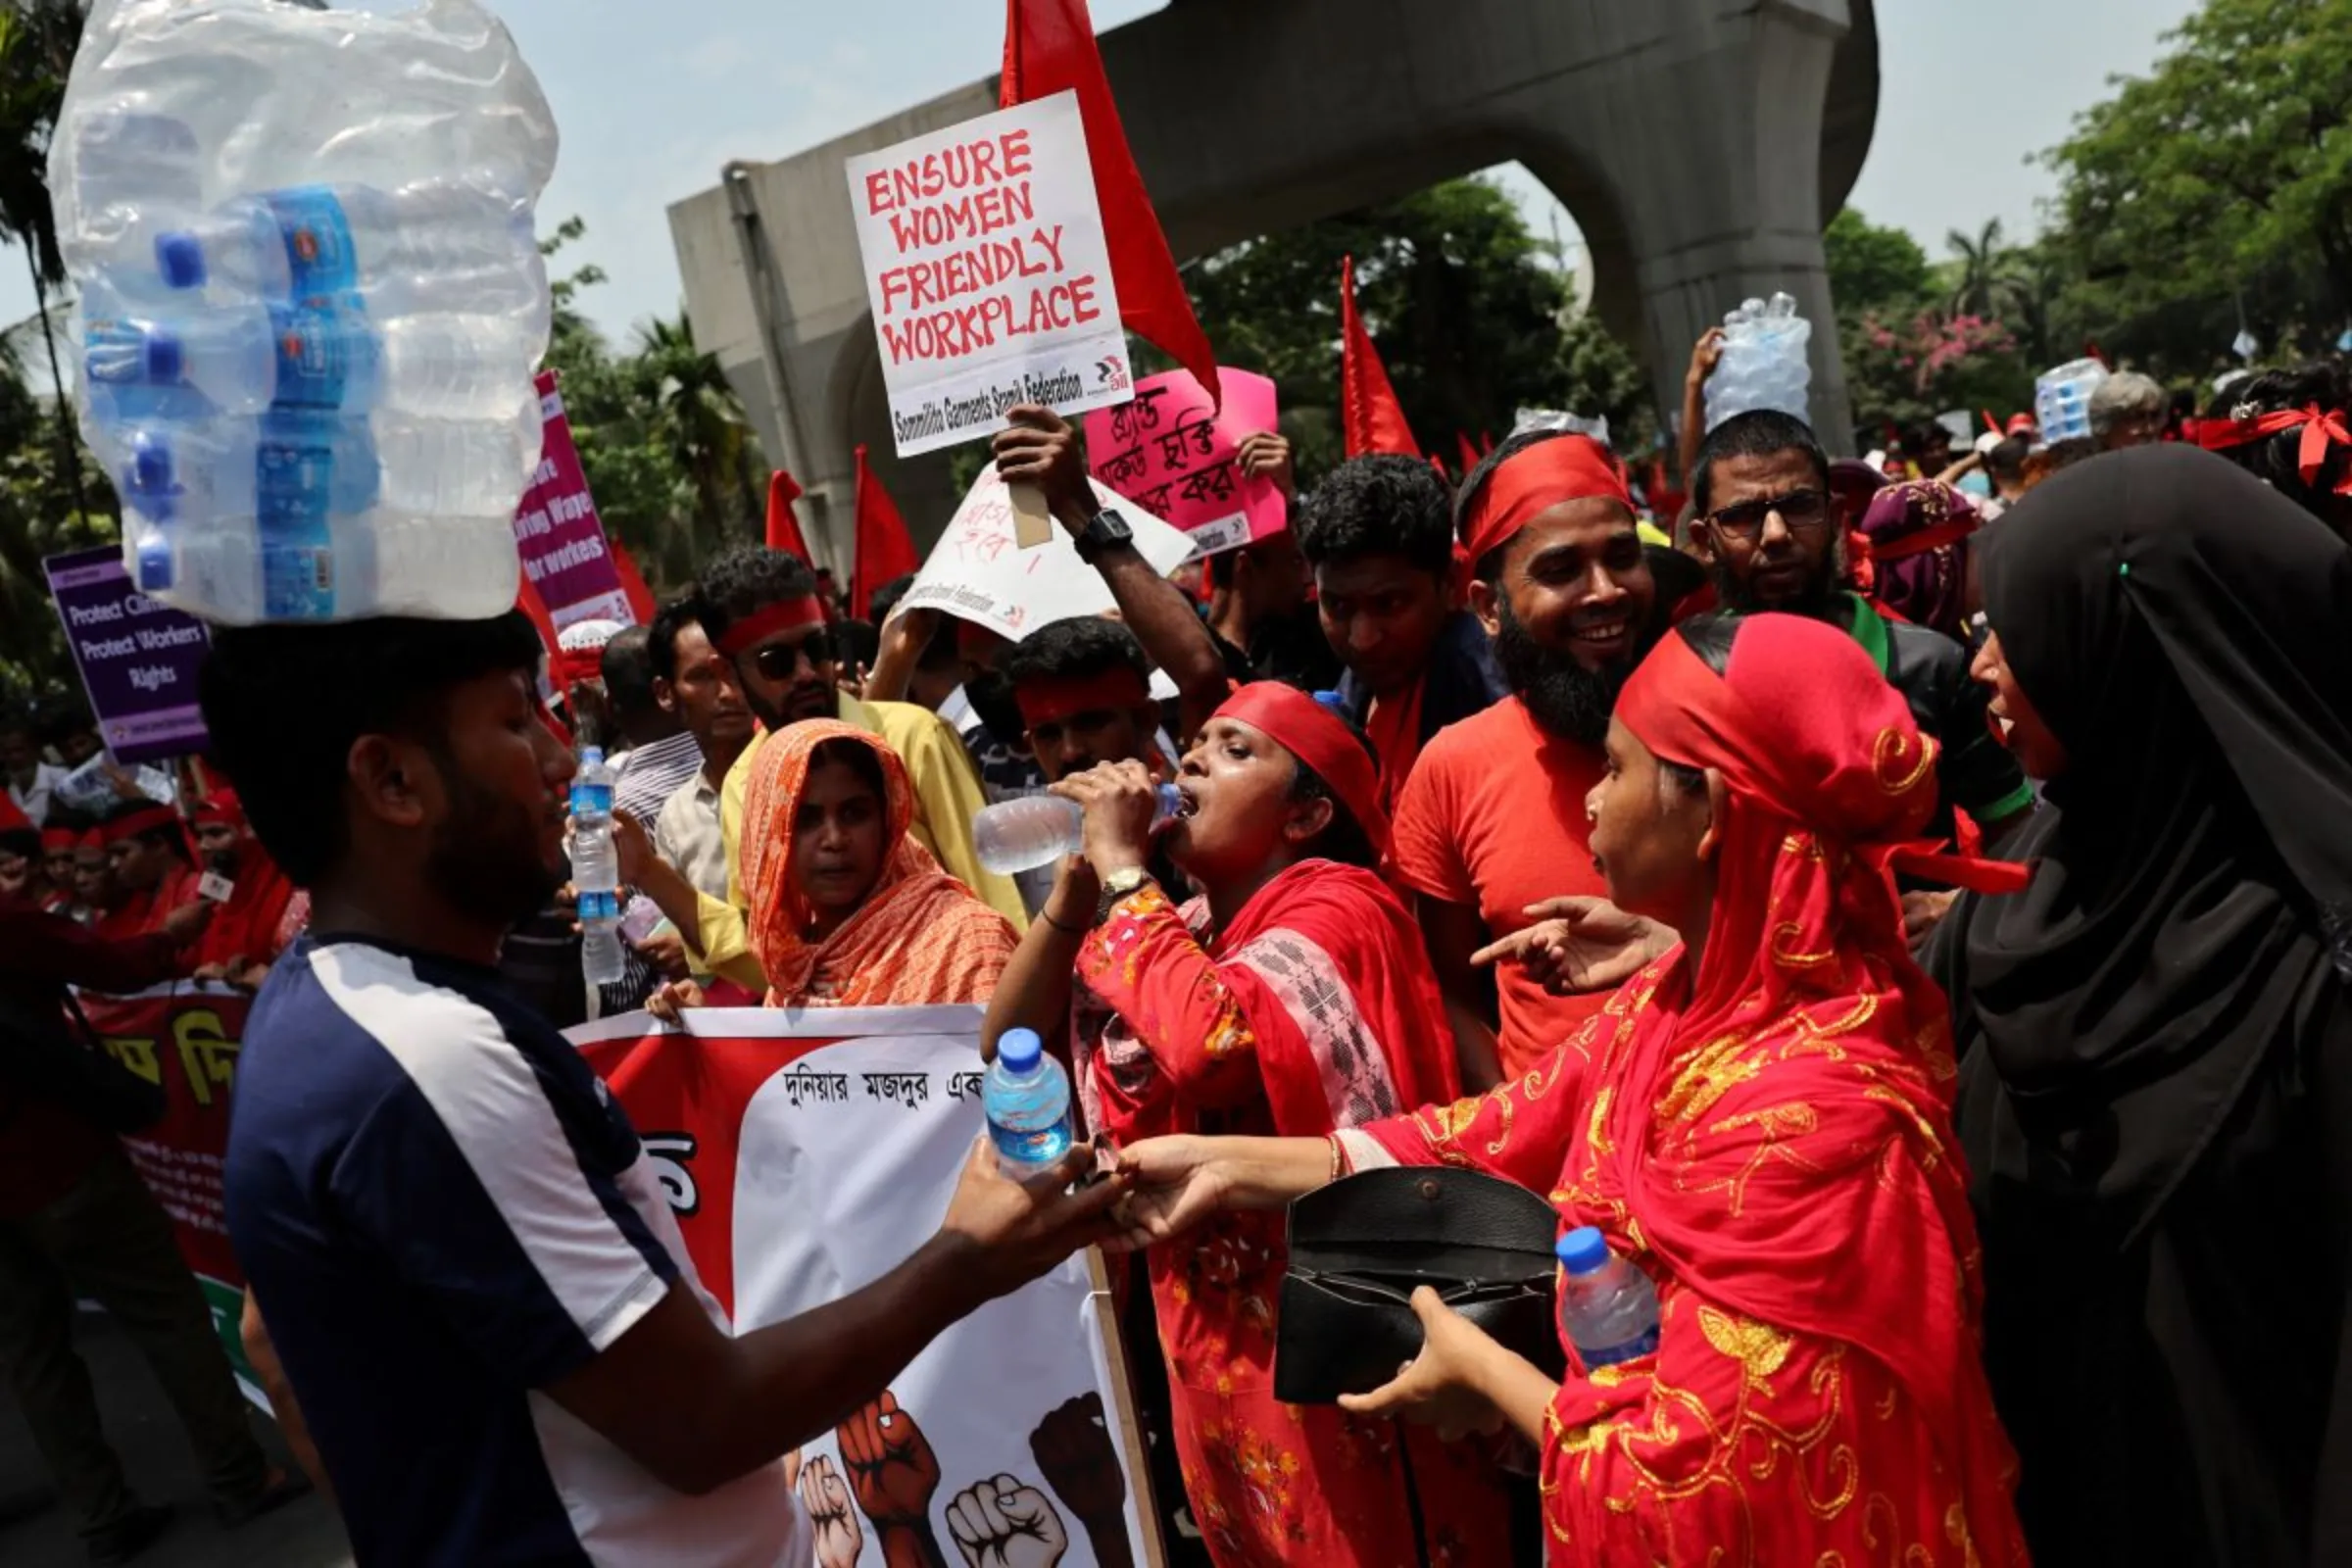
x=1034, y=830
x=596, y=868
x=429, y=246
x=252, y=247
x=1764, y=363
x=1026, y=1096
x=2062, y=399
x=1608, y=1309
x=324, y=352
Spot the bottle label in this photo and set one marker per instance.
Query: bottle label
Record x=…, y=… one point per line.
x=599, y=907
x=293, y=469
x=1031, y=1148
x=114, y=351
x=592, y=799
x=318, y=347
x=1641, y=1344
x=318, y=236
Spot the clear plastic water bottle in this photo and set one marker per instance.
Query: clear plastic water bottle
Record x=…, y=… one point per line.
x=322, y=354
x=1608, y=1309
x=1026, y=1096
x=1764, y=364
x=596, y=868
x=2062, y=399
x=429, y=246
x=1034, y=830
x=249, y=244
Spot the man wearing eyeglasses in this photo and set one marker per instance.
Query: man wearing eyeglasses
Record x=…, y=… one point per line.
x=1765, y=522
x=760, y=607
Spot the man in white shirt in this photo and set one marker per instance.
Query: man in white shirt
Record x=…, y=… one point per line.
x=30, y=777
x=697, y=686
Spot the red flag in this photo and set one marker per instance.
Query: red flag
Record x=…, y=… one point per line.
x=1486, y=442
x=783, y=527
x=1465, y=451
x=1050, y=48
x=884, y=550
x=632, y=583
x=2092, y=351
x=1369, y=413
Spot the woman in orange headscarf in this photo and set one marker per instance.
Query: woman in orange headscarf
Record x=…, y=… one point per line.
x=1760, y=1122
x=848, y=910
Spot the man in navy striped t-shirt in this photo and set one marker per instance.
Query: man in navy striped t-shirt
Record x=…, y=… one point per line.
x=469, y=1274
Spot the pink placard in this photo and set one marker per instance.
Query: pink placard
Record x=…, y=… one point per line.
x=1172, y=455
x=558, y=532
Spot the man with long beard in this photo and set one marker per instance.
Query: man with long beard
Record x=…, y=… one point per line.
x=1490, y=831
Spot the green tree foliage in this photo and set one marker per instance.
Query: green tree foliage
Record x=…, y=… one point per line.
x=40, y=516
x=668, y=453
x=2223, y=178
x=1473, y=317
x=1873, y=267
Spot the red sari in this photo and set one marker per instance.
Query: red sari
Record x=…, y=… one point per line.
x=1771, y=1139
x=1314, y=1008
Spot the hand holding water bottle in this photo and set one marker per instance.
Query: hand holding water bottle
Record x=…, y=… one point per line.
x=1122, y=803
x=1003, y=1232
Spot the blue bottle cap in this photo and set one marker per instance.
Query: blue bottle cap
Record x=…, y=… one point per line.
x=1333, y=701
x=162, y=355
x=1583, y=1251
x=591, y=756
x=179, y=257
x=150, y=473
x=1019, y=1049
x=155, y=567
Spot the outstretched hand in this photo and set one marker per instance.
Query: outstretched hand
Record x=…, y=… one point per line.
x=1176, y=1185
x=1581, y=945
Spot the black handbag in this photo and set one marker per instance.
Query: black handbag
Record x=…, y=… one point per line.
x=1360, y=1246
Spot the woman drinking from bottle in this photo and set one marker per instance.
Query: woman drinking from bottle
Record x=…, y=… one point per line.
x=1760, y=1121
x=1291, y=997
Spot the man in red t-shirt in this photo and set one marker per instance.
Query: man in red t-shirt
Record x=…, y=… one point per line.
x=1491, y=833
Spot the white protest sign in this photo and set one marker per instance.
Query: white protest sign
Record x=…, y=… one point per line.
x=807, y=1152
x=988, y=273
x=979, y=573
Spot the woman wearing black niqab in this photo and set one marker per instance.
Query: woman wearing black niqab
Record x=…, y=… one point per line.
x=2156, y=1093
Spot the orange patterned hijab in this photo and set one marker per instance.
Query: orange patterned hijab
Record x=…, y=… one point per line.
x=921, y=937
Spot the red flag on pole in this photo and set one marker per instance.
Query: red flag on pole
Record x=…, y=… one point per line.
x=783, y=527
x=1465, y=451
x=632, y=582
x=1369, y=413
x=885, y=552
x=1050, y=48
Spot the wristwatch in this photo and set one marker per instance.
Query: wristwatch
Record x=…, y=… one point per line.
x=1104, y=530
x=1116, y=886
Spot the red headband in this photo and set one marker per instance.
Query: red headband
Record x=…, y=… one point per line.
x=1313, y=734
x=1534, y=479
x=1919, y=543
x=221, y=808
x=579, y=667
x=53, y=838
x=92, y=840
x=1117, y=689
x=12, y=818
x=761, y=624
x=2322, y=430
x=147, y=819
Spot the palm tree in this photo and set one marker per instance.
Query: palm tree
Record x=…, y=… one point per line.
x=699, y=420
x=37, y=41
x=1984, y=264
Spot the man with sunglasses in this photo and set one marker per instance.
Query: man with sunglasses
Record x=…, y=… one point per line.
x=1766, y=523
x=761, y=609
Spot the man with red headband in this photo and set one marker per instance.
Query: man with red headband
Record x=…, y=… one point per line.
x=2289, y=428
x=760, y=610
x=57, y=869
x=241, y=942
x=1491, y=826
x=147, y=845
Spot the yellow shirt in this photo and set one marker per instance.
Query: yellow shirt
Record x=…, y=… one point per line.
x=947, y=796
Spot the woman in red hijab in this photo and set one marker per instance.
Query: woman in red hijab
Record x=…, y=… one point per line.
x=1760, y=1122
x=1292, y=997
x=241, y=942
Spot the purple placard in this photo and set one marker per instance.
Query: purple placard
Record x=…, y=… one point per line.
x=137, y=657
x=561, y=538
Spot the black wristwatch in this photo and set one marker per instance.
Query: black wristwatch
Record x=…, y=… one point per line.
x=1103, y=531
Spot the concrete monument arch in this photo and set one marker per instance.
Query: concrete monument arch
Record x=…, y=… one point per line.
x=1701, y=145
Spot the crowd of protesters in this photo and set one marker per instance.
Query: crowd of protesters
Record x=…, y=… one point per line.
x=1905, y=903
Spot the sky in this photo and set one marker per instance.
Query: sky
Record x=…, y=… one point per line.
x=654, y=96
